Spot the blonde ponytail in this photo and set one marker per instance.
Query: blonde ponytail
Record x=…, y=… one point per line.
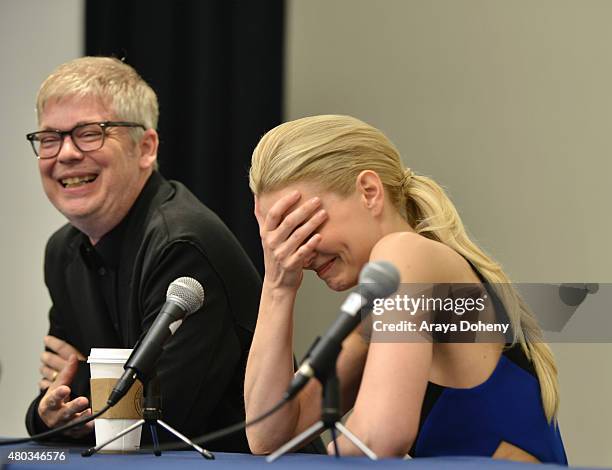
x=433, y=215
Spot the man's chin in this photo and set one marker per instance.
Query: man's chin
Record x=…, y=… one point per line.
x=71, y=211
x=76, y=215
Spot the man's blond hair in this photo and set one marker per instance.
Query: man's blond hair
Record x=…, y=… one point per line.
x=115, y=83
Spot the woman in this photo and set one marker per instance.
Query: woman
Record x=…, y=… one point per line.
x=331, y=195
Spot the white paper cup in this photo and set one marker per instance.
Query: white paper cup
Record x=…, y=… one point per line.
x=106, y=366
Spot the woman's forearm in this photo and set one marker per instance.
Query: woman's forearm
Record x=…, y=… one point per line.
x=270, y=370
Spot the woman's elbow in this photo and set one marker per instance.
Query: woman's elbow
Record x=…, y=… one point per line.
x=258, y=449
x=262, y=442
x=392, y=448
x=257, y=445
x=389, y=445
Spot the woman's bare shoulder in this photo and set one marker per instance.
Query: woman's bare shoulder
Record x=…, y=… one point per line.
x=420, y=259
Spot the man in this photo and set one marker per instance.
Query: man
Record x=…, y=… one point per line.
x=130, y=234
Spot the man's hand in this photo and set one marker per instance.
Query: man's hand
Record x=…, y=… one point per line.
x=54, y=362
x=54, y=408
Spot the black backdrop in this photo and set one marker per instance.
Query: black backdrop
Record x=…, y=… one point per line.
x=217, y=68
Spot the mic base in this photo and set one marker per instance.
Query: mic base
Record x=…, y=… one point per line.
x=151, y=417
x=330, y=419
x=152, y=423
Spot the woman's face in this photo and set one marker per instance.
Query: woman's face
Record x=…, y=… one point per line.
x=347, y=235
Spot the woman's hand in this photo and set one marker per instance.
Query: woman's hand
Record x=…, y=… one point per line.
x=287, y=238
x=286, y=226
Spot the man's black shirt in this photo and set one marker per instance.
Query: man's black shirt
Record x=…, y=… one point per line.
x=108, y=295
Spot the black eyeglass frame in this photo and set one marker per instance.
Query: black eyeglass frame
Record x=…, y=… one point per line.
x=31, y=137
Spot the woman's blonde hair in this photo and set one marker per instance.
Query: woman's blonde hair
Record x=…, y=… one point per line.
x=333, y=150
x=113, y=82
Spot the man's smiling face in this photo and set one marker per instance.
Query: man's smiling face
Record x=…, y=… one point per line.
x=89, y=186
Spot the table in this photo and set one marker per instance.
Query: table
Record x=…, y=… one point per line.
x=189, y=460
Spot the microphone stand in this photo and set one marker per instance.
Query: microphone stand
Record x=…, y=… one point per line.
x=151, y=416
x=330, y=418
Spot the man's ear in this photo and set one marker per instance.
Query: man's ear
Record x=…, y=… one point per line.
x=148, y=148
x=371, y=191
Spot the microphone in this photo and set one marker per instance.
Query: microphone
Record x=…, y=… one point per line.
x=185, y=296
x=377, y=279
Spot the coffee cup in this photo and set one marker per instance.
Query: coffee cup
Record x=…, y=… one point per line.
x=106, y=366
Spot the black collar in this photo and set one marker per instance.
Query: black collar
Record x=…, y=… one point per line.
x=108, y=249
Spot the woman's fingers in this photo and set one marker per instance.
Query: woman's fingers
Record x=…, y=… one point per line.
x=279, y=209
x=304, y=253
x=297, y=218
x=288, y=237
x=301, y=234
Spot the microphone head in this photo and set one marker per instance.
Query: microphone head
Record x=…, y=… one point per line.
x=187, y=293
x=378, y=279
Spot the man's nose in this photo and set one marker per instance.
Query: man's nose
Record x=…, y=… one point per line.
x=68, y=151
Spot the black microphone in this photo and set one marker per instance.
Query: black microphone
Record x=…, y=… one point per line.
x=185, y=295
x=377, y=279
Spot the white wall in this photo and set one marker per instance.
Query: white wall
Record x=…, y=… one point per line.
x=35, y=37
x=509, y=105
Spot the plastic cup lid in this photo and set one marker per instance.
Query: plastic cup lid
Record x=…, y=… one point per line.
x=108, y=355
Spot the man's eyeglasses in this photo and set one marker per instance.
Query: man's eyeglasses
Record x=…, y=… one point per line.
x=85, y=137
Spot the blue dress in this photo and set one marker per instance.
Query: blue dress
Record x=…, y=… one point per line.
x=507, y=407
x=474, y=421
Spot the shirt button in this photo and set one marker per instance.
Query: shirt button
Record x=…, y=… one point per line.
x=101, y=271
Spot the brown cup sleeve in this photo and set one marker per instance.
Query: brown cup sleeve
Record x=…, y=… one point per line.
x=129, y=407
